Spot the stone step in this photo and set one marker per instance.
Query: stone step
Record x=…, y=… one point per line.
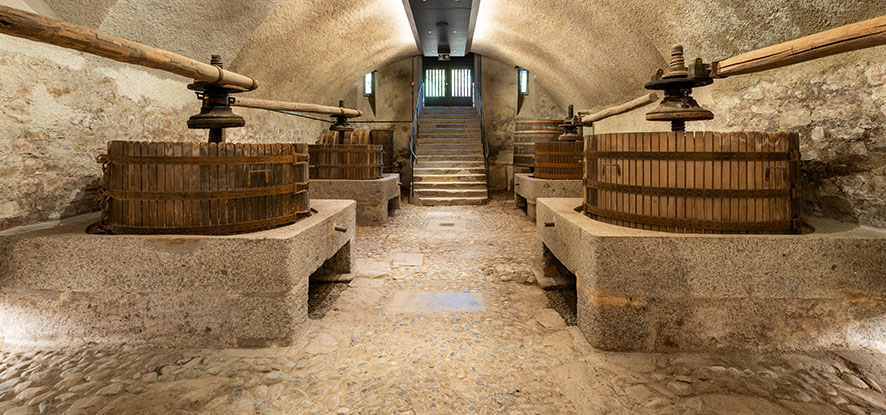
x=449, y=170
x=448, y=127
x=425, y=193
x=449, y=152
x=449, y=165
x=449, y=139
x=439, y=110
x=450, y=185
x=450, y=201
x=450, y=177
x=449, y=134
x=449, y=123
x=451, y=116
x=430, y=149
x=437, y=144
x=450, y=158
x=446, y=122
x=449, y=146
x=423, y=140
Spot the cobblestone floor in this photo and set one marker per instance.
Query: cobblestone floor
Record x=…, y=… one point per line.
x=516, y=357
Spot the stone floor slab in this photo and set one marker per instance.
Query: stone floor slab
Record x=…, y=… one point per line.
x=425, y=302
x=503, y=360
x=447, y=225
x=408, y=260
x=366, y=283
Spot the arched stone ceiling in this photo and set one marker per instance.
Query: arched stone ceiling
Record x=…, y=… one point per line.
x=300, y=50
x=318, y=48
x=597, y=53
x=589, y=53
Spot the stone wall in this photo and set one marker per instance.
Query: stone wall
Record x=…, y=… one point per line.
x=837, y=105
x=500, y=109
x=394, y=101
x=58, y=110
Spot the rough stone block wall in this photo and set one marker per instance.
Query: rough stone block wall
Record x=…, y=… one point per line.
x=500, y=105
x=394, y=101
x=58, y=110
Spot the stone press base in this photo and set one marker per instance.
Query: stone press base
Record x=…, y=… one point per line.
x=660, y=292
x=376, y=199
x=528, y=188
x=61, y=286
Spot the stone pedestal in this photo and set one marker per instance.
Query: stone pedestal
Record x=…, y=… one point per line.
x=528, y=188
x=61, y=286
x=661, y=292
x=376, y=199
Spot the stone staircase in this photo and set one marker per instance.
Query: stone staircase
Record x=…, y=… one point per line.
x=449, y=168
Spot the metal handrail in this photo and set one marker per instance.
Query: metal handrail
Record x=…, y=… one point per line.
x=478, y=102
x=419, y=102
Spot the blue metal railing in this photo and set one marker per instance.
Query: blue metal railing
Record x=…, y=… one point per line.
x=478, y=103
x=419, y=102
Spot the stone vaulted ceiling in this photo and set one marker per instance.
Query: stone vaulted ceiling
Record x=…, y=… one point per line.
x=591, y=53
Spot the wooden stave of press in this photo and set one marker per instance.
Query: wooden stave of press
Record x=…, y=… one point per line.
x=529, y=132
x=559, y=160
x=203, y=188
x=346, y=161
x=705, y=182
x=385, y=138
x=360, y=136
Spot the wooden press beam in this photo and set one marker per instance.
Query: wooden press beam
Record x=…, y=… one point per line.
x=861, y=35
x=294, y=106
x=23, y=24
x=620, y=109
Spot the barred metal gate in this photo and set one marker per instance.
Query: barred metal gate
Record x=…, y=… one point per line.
x=449, y=83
